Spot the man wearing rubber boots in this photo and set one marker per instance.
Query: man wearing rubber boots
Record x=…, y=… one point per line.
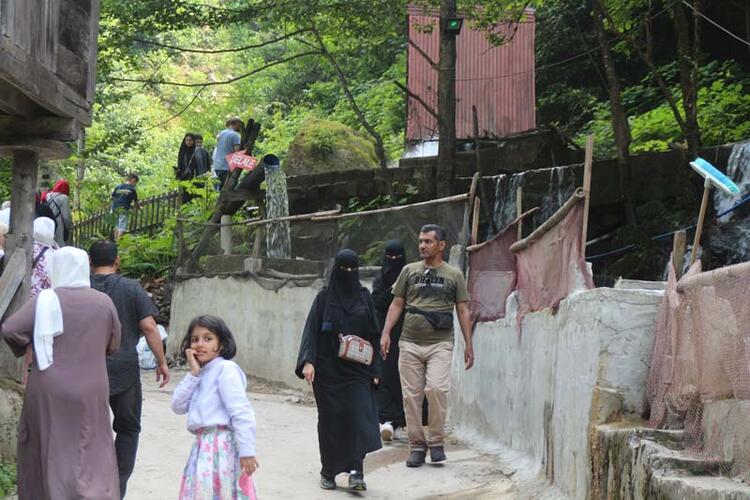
x=428, y=290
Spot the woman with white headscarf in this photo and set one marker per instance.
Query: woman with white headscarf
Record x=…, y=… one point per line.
x=65, y=446
x=44, y=247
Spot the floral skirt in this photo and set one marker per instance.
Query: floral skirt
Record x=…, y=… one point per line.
x=213, y=469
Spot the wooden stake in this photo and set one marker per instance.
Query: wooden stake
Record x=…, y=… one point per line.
x=701, y=220
x=477, y=158
x=587, y=167
x=679, y=245
x=475, y=221
x=519, y=210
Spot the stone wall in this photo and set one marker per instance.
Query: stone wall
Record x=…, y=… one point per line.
x=11, y=402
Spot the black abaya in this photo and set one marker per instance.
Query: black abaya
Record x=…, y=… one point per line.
x=389, y=397
x=344, y=393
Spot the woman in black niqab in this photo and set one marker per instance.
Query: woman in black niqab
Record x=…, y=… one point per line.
x=344, y=390
x=389, y=396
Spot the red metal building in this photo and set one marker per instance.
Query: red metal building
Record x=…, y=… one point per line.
x=499, y=81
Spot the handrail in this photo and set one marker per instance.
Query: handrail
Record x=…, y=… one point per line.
x=151, y=215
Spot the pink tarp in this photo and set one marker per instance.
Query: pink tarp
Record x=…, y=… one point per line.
x=552, y=266
x=492, y=276
x=700, y=363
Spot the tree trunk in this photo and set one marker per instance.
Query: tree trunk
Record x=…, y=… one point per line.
x=620, y=125
x=686, y=58
x=446, y=103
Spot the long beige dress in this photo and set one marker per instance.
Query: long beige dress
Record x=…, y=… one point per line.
x=65, y=447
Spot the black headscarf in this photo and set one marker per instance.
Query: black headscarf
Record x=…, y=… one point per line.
x=393, y=261
x=184, y=158
x=344, y=286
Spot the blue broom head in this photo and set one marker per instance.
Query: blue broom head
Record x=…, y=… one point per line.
x=717, y=178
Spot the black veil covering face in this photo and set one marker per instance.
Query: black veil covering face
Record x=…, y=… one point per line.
x=393, y=261
x=344, y=393
x=344, y=283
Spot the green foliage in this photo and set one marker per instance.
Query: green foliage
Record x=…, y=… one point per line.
x=144, y=255
x=723, y=112
x=7, y=478
x=5, y=178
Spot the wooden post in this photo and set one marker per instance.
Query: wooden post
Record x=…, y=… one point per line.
x=20, y=235
x=587, y=167
x=259, y=231
x=519, y=210
x=225, y=235
x=679, y=245
x=477, y=156
x=20, y=238
x=701, y=220
x=475, y=221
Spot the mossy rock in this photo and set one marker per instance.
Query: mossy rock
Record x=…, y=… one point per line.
x=325, y=146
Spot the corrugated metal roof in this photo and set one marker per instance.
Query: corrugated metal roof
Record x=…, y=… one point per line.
x=499, y=81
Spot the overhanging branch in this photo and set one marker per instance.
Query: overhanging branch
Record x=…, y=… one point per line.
x=218, y=51
x=419, y=100
x=423, y=54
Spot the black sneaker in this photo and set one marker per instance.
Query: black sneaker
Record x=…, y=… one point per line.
x=327, y=483
x=416, y=458
x=437, y=454
x=357, y=482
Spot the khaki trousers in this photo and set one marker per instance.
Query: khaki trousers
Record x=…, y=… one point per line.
x=425, y=372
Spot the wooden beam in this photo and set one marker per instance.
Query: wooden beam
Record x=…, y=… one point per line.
x=701, y=221
x=478, y=160
x=679, y=246
x=43, y=148
x=587, y=167
x=16, y=103
x=474, y=248
x=48, y=127
x=574, y=199
x=519, y=211
x=475, y=221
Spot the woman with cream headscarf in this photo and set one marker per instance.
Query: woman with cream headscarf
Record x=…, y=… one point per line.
x=65, y=446
x=44, y=247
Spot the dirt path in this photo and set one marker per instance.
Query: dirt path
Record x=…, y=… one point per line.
x=288, y=454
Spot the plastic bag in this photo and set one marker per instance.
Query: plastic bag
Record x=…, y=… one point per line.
x=146, y=358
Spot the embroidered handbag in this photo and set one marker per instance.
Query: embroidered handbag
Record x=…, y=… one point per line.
x=356, y=349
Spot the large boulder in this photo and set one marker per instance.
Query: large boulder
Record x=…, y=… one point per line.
x=325, y=146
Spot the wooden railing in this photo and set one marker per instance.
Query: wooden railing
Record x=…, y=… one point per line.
x=151, y=216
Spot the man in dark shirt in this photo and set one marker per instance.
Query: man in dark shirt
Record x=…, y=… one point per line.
x=136, y=311
x=123, y=196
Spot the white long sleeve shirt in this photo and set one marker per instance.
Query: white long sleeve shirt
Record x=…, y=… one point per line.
x=217, y=397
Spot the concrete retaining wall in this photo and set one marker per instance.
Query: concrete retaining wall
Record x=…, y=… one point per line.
x=267, y=325
x=542, y=392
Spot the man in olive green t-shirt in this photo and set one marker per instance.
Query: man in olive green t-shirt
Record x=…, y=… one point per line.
x=428, y=290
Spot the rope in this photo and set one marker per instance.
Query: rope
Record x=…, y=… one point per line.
x=690, y=227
